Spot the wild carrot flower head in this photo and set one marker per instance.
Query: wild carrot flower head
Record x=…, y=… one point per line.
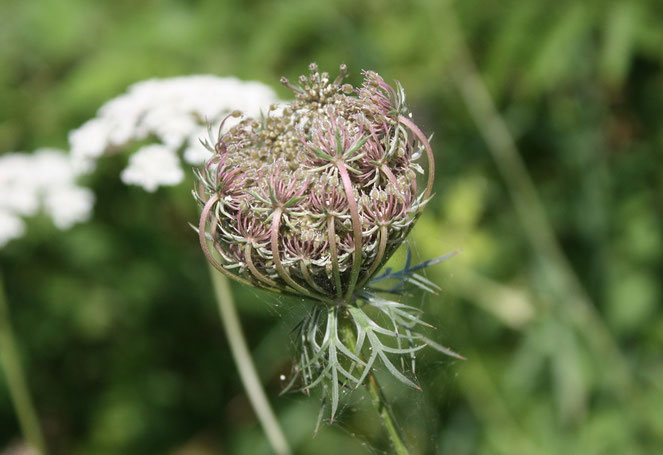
x=310, y=200
x=43, y=181
x=164, y=117
x=337, y=168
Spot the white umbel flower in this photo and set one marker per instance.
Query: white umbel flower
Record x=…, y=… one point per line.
x=175, y=112
x=196, y=153
x=18, y=191
x=11, y=227
x=42, y=180
x=153, y=166
x=68, y=205
x=88, y=143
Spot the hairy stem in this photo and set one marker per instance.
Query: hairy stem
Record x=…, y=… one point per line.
x=16, y=383
x=386, y=413
x=245, y=366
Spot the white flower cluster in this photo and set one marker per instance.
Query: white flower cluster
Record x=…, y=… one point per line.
x=172, y=114
x=175, y=113
x=152, y=166
x=42, y=180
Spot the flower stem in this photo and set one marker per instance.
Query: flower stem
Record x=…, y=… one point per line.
x=18, y=388
x=245, y=366
x=386, y=413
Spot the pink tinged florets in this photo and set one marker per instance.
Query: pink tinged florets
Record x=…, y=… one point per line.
x=384, y=209
x=328, y=200
x=313, y=249
x=251, y=230
x=279, y=190
x=288, y=197
x=334, y=141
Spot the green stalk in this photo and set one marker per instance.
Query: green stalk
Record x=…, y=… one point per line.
x=16, y=383
x=387, y=416
x=243, y=360
x=380, y=402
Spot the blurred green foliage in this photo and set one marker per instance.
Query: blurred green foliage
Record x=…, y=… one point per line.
x=116, y=318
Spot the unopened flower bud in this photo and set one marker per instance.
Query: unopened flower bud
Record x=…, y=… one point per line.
x=321, y=165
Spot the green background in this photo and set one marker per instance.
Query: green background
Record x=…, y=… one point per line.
x=116, y=319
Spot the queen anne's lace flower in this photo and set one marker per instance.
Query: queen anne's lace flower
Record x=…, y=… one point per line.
x=68, y=205
x=336, y=167
x=18, y=189
x=172, y=112
x=42, y=180
x=310, y=201
x=153, y=166
x=11, y=227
